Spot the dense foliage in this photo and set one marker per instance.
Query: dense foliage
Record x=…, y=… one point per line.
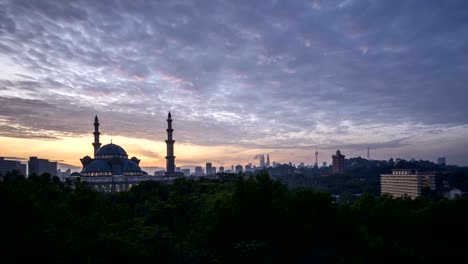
x=232, y=220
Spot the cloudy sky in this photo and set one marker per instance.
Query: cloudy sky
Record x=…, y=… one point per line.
x=240, y=77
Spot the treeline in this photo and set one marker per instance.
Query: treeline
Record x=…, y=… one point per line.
x=231, y=220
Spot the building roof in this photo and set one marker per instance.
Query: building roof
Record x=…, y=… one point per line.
x=111, y=150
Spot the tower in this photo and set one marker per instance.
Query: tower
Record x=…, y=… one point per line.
x=268, y=161
x=316, y=158
x=96, y=133
x=368, y=153
x=170, y=164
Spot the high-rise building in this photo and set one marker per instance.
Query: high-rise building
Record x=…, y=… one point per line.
x=338, y=164
x=406, y=182
x=39, y=166
x=208, y=168
x=198, y=171
x=11, y=165
x=238, y=168
x=221, y=169
x=441, y=161
x=268, y=161
x=262, y=160
x=213, y=170
x=324, y=164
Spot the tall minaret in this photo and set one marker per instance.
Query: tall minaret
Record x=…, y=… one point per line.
x=170, y=164
x=96, y=133
x=316, y=157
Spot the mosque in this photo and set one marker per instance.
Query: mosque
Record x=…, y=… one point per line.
x=112, y=160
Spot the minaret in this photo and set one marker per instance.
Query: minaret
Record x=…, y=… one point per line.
x=96, y=133
x=316, y=157
x=170, y=164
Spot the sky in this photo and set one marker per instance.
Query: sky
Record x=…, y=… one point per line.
x=239, y=77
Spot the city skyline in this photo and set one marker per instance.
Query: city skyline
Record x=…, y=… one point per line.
x=241, y=78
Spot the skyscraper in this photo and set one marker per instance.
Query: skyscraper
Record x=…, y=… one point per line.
x=198, y=171
x=268, y=161
x=221, y=169
x=262, y=160
x=208, y=168
x=338, y=163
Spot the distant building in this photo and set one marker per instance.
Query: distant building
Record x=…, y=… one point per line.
x=208, y=168
x=159, y=173
x=406, y=182
x=11, y=165
x=238, y=168
x=198, y=171
x=262, y=160
x=186, y=172
x=213, y=170
x=338, y=164
x=267, y=161
x=248, y=168
x=221, y=169
x=301, y=165
x=65, y=174
x=324, y=164
x=441, y=161
x=39, y=166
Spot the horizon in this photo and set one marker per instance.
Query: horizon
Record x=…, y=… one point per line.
x=240, y=79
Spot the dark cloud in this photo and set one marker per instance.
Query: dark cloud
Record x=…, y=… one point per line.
x=233, y=72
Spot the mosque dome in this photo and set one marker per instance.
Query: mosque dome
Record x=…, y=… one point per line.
x=98, y=166
x=109, y=160
x=111, y=150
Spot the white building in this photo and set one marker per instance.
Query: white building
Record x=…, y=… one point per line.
x=406, y=182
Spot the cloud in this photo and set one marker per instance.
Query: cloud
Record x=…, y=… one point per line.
x=264, y=74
